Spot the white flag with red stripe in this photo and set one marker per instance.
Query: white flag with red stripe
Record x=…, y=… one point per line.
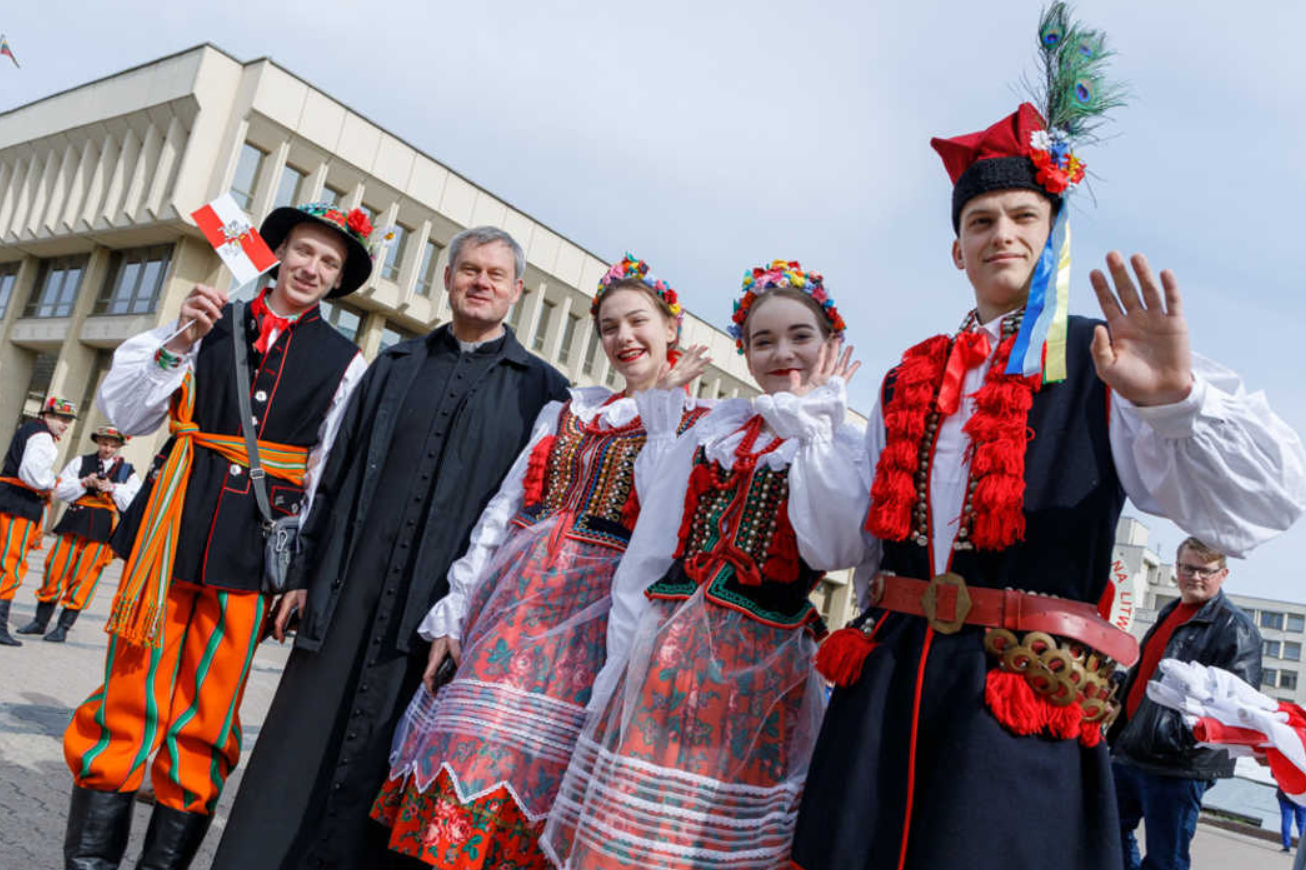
x=232, y=235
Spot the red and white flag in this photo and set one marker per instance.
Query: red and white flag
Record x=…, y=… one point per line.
x=231, y=234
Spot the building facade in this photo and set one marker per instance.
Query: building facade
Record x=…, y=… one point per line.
x=96, y=244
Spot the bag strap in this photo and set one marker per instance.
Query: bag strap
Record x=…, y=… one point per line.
x=256, y=473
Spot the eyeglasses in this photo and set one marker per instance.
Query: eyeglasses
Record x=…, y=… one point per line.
x=1197, y=571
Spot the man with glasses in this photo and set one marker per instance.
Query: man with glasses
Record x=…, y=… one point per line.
x=1160, y=773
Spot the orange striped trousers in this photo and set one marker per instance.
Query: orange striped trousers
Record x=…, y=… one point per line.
x=73, y=569
x=17, y=536
x=179, y=703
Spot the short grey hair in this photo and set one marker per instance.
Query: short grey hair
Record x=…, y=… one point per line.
x=477, y=236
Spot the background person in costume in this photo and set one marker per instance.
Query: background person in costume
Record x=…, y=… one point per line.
x=436, y=424
x=1160, y=774
x=965, y=700
x=25, y=484
x=97, y=487
x=529, y=600
x=703, y=718
x=190, y=609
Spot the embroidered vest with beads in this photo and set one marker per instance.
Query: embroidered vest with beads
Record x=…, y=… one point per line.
x=736, y=540
x=589, y=473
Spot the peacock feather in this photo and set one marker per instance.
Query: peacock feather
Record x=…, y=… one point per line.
x=1074, y=92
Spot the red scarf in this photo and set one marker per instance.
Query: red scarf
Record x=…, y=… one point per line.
x=267, y=322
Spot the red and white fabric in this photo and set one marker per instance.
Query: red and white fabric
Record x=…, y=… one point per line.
x=1224, y=712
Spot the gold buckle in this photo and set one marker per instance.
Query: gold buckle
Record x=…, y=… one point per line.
x=929, y=603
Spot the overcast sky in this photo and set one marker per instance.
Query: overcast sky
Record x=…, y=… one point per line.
x=708, y=136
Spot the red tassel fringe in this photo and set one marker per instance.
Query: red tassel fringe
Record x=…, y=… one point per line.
x=1022, y=711
x=842, y=655
x=630, y=510
x=536, y=468
x=893, y=492
x=782, y=555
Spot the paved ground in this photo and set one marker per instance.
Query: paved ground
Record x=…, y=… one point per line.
x=40, y=683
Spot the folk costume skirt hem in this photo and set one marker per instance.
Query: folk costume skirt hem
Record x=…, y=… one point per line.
x=698, y=759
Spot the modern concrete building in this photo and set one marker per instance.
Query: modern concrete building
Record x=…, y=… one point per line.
x=1282, y=623
x=96, y=244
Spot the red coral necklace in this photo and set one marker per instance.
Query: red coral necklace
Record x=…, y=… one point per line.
x=993, y=515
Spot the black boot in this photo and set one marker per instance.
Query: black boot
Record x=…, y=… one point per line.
x=44, y=610
x=173, y=838
x=6, y=639
x=66, y=620
x=98, y=825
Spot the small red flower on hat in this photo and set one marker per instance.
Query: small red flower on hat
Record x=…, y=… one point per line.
x=359, y=223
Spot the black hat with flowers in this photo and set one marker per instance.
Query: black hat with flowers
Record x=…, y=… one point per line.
x=354, y=227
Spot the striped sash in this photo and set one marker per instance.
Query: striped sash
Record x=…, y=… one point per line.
x=138, y=608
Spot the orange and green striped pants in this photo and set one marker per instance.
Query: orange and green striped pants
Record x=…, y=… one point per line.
x=17, y=536
x=72, y=571
x=179, y=704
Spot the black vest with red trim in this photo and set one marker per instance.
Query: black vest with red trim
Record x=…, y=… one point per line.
x=89, y=521
x=1073, y=496
x=291, y=389
x=16, y=500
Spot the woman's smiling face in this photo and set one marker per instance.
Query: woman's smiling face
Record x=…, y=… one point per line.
x=784, y=337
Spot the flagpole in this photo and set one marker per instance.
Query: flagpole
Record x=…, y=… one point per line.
x=231, y=294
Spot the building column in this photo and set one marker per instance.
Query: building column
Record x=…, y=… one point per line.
x=15, y=362
x=369, y=334
x=75, y=368
x=557, y=329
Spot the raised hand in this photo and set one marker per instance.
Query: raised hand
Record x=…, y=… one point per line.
x=201, y=309
x=1142, y=353
x=692, y=363
x=829, y=364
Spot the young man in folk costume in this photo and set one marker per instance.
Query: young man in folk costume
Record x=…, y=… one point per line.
x=189, y=610
x=967, y=727
x=26, y=481
x=96, y=487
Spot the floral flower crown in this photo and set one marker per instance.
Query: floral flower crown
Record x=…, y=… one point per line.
x=356, y=223
x=632, y=269
x=781, y=273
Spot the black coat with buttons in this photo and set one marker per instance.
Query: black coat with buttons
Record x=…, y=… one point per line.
x=489, y=427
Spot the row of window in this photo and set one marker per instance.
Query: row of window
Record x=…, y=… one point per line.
x=1278, y=620
x=1278, y=678
x=292, y=190
x=1288, y=650
x=131, y=286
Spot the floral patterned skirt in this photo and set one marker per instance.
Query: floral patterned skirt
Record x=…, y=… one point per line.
x=698, y=759
x=507, y=723
x=436, y=827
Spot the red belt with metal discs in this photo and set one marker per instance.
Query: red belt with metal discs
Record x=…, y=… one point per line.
x=947, y=603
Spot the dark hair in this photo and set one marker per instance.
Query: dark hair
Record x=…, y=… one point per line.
x=822, y=319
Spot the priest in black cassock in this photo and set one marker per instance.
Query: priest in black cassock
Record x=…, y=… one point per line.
x=430, y=432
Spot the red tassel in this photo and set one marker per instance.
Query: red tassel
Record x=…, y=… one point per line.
x=536, y=468
x=1065, y=722
x=782, y=554
x=1013, y=703
x=1090, y=734
x=630, y=510
x=842, y=655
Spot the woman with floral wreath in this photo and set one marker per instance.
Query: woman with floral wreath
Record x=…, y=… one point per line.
x=476, y=767
x=704, y=716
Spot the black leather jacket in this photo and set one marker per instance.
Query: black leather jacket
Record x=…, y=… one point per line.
x=1156, y=738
